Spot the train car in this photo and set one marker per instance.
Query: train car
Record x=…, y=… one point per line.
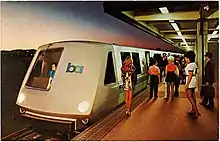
x=76, y=82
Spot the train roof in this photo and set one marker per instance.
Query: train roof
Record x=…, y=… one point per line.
x=79, y=41
x=96, y=42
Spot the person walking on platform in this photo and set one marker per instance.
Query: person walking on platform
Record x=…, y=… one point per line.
x=154, y=72
x=177, y=81
x=191, y=82
x=171, y=71
x=127, y=70
x=209, y=80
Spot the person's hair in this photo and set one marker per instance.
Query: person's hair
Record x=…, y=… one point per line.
x=152, y=61
x=191, y=56
x=128, y=58
x=54, y=64
x=171, y=58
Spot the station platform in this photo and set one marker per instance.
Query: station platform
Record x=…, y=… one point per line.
x=162, y=119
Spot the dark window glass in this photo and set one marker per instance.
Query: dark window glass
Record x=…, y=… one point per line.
x=124, y=55
x=44, y=68
x=110, y=72
x=136, y=62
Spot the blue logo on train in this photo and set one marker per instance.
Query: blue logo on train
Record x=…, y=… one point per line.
x=74, y=68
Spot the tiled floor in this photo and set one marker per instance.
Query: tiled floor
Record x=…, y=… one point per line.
x=167, y=120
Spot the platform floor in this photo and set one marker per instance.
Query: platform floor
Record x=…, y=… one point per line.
x=167, y=120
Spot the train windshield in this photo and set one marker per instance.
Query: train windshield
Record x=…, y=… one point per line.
x=44, y=69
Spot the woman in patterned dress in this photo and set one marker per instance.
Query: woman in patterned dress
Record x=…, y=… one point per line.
x=127, y=70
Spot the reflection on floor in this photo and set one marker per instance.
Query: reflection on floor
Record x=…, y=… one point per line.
x=167, y=120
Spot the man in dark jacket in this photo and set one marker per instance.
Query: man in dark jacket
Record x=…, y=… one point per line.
x=209, y=80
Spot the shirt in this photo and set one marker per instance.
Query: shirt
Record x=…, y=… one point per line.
x=154, y=70
x=171, y=68
x=191, y=67
x=51, y=73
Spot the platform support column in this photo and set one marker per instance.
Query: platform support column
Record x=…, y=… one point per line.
x=201, y=48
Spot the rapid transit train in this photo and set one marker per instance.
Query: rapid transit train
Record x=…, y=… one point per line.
x=76, y=82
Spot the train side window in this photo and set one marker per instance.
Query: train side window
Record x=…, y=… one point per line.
x=110, y=71
x=124, y=55
x=136, y=62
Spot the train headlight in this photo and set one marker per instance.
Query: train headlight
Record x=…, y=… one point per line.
x=21, y=98
x=83, y=106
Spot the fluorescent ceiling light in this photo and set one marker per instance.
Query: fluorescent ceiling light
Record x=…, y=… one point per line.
x=179, y=34
x=171, y=21
x=217, y=27
x=164, y=10
x=215, y=32
x=176, y=28
x=183, y=39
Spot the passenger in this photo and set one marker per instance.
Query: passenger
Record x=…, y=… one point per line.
x=171, y=72
x=191, y=82
x=177, y=81
x=209, y=80
x=51, y=74
x=127, y=70
x=134, y=75
x=154, y=72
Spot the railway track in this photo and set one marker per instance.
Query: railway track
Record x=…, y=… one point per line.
x=18, y=134
x=31, y=134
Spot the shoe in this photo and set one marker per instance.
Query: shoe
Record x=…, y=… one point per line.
x=166, y=97
x=128, y=113
x=209, y=107
x=191, y=113
x=196, y=116
x=202, y=104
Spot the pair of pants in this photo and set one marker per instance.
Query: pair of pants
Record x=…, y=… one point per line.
x=208, y=98
x=177, y=84
x=154, y=81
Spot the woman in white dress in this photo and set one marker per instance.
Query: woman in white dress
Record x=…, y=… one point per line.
x=127, y=70
x=191, y=82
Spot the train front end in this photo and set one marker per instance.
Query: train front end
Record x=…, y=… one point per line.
x=60, y=84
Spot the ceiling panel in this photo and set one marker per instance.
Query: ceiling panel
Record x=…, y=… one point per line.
x=187, y=25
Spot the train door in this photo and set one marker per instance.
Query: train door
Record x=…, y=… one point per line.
x=147, y=57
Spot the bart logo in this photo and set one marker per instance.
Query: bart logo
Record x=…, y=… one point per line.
x=72, y=68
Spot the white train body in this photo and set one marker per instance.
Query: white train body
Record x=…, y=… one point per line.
x=86, y=84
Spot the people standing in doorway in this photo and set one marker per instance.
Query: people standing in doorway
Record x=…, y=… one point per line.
x=209, y=80
x=191, y=82
x=127, y=70
x=154, y=72
x=171, y=71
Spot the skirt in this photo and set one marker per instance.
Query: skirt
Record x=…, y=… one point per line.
x=171, y=77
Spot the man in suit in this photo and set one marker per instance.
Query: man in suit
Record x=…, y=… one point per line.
x=209, y=80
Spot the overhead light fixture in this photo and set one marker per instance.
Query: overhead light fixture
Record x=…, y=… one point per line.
x=215, y=32
x=171, y=21
x=164, y=10
x=179, y=34
x=176, y=28
x=217, y=27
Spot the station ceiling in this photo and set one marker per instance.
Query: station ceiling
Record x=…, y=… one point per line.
x=173, y=21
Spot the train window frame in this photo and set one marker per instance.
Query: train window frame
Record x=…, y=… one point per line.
x=122, y=60
x=110, y=63
x=138, y=61
x=48, y=68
